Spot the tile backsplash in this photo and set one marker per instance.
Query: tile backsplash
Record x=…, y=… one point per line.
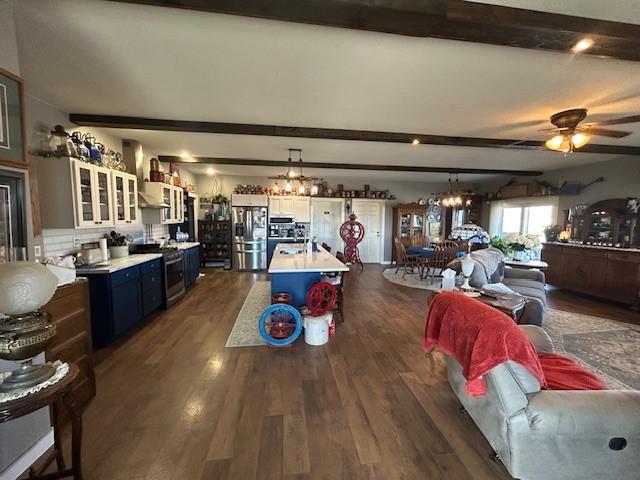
x=63, y=241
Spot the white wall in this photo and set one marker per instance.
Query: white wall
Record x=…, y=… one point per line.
x=16, y=436
x=621, y=179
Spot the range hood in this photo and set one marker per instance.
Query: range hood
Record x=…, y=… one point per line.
x=147, y=201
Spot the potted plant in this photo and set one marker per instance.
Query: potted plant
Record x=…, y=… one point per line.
x=499, y=243
x=551, y=232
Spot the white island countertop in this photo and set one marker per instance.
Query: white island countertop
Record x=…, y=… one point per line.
x=321, y=261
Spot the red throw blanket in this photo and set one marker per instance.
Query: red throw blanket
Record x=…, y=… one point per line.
x=479, y=337
x=562, y=373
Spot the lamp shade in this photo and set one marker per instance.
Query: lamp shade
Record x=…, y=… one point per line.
x=470, y=233
x=25, y=287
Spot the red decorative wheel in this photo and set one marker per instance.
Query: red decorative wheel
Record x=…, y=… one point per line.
x=352, y=232
x=321, y=298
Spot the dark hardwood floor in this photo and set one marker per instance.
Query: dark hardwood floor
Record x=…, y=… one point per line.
x=174, y=403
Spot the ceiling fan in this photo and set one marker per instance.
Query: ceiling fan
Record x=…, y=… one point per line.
x=571, y=134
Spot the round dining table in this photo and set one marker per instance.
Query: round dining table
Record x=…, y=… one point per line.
x=427, y=252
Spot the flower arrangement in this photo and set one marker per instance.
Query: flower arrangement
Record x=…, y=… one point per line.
x=520, y=243
x=499, y=243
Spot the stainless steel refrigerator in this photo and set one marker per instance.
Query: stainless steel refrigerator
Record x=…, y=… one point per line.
x=250, y=238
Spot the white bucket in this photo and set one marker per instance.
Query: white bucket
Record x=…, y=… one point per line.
x=316, y=329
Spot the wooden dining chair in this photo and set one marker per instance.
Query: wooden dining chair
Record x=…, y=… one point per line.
x=408, y=262
x=443, y=253
x=339, y=305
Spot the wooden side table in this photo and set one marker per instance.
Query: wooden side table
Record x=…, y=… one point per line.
x=508, y=304
x=58, y=393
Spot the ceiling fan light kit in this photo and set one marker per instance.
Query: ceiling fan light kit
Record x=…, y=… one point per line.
x=570, y=135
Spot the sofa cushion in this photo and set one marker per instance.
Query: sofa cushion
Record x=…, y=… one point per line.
x=528, y=288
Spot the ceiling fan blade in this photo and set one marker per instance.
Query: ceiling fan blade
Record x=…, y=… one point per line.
x=553, y=129
x=618, y=121
x=605, y=132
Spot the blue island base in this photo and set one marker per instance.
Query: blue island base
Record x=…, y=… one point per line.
x=295, y=284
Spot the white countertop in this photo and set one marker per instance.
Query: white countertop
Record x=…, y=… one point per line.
x=321, y=261
x=115, y=264
x=185, y=245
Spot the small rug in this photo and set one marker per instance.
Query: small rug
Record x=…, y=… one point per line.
x=245, y=331
x=411, y=279
x=608, y=348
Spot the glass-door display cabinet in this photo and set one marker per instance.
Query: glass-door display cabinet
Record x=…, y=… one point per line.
x=608, y=223
x=409, y=221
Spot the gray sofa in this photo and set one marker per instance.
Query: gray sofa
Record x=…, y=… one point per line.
x=553, y=434
x=529, y=283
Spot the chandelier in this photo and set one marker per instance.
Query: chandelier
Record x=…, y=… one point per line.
x=294, y=175
x=455, y=197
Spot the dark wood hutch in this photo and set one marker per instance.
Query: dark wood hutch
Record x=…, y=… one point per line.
x=603, y=256
x=415, y=220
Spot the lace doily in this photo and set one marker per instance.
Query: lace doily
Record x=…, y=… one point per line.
x=61, y=370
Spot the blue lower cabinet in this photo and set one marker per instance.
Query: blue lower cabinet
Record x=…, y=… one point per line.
x=191, y=266
x=121, y=300
x=127, y=310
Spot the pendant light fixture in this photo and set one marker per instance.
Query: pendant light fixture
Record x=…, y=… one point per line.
x=292, y=176
x=455, y=197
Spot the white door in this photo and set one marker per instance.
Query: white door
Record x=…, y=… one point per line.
x=326, y=218
x=369, y=213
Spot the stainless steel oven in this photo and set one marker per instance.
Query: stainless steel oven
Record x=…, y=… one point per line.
x=173, y=276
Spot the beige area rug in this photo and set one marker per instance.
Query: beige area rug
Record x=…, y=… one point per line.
x=608, y=348
x=411, y=279
x=245, y=331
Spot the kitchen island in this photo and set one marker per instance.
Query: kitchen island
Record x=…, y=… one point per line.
x=294, y=271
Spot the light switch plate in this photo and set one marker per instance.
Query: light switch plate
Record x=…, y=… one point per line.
x=37, y=250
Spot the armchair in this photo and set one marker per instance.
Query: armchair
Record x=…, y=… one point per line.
x=560, y=434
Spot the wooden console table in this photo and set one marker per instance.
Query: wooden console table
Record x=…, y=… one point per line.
x=52, y=396
x=605, y=272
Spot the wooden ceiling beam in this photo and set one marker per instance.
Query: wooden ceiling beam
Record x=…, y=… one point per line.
x=344, y=166
x=141, y=123
x=447, y=19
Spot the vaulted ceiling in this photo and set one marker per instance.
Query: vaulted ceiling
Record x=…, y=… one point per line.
x=101, y=57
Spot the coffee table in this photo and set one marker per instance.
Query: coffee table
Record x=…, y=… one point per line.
x=509, y=304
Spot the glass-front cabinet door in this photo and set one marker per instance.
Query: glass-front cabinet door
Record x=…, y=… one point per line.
x=167, y=199
x=181, y=205
x=120, y=198
x=102, y=196
x=132, y=195
x=405, y=225
x=125, y=198
x=85, y=192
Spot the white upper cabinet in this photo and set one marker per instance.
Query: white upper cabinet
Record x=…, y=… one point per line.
x=299, y=207
x=77, y=194
x=125, y=198
x=173, y=199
